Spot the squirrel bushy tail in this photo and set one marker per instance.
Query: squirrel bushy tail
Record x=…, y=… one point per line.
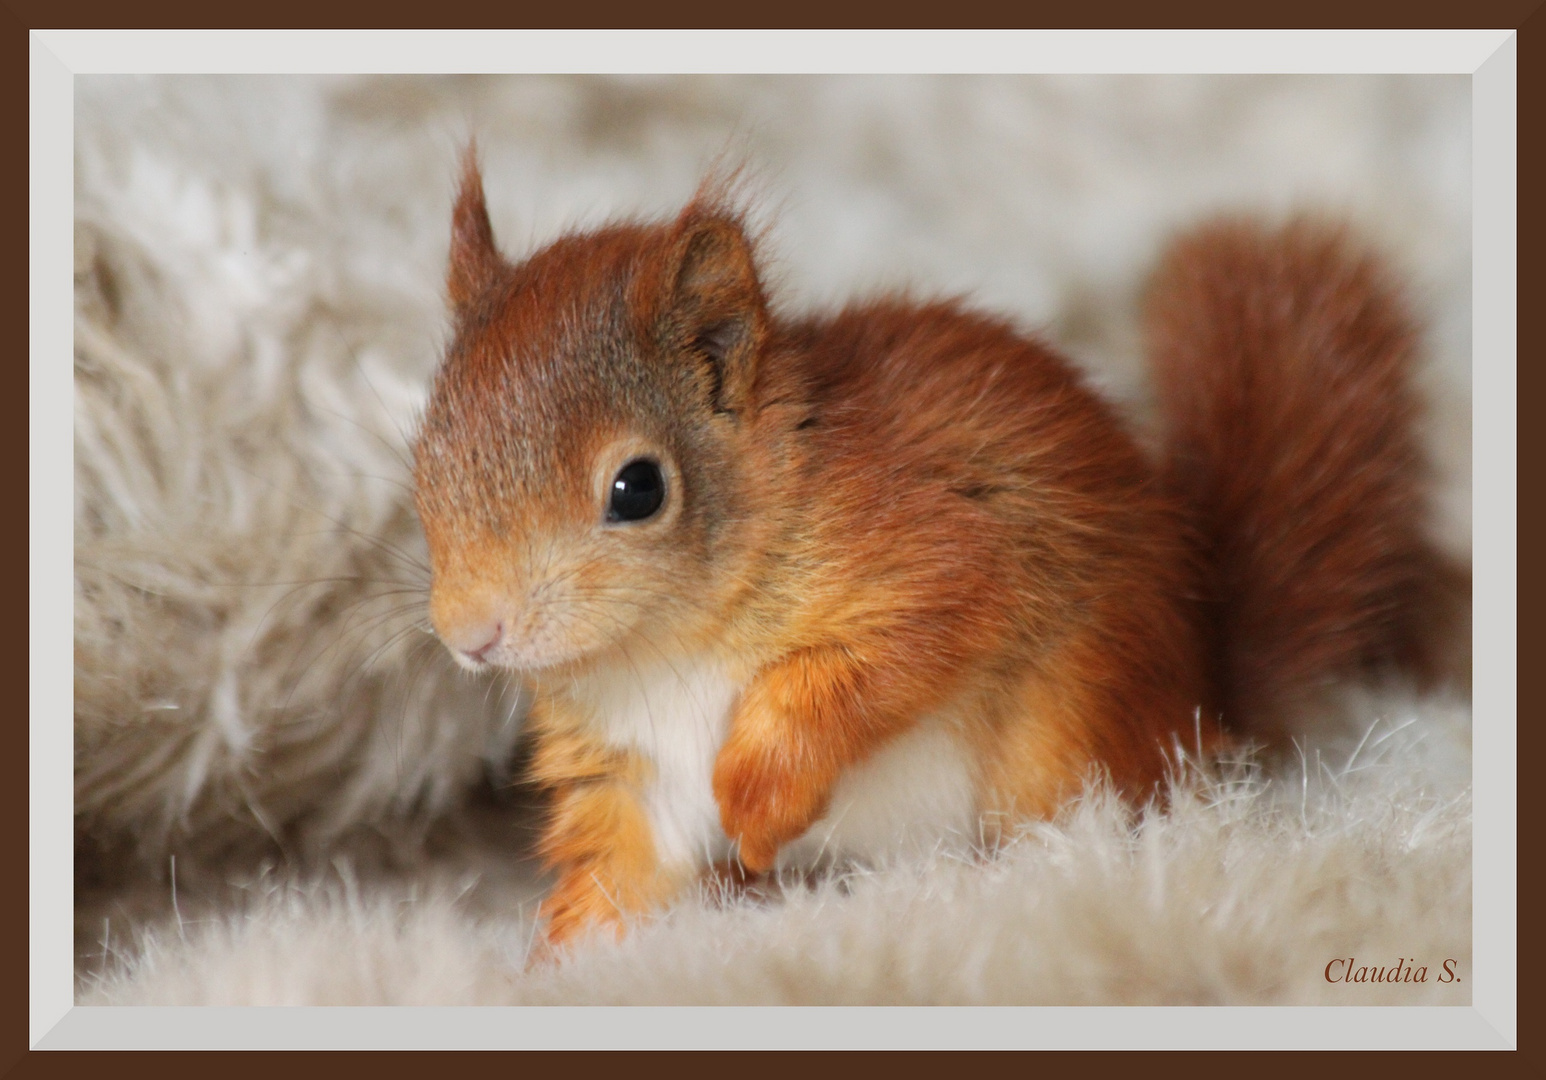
x=1283, y=361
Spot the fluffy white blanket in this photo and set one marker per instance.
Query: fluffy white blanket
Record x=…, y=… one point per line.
x=284, y=793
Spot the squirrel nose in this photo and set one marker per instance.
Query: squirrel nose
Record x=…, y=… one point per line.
x=469, y=623
x=482, y=651
x=472, y=640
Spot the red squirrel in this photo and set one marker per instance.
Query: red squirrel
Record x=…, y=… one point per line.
x=794, y=588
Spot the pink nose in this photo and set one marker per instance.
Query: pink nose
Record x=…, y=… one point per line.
x=478, y=654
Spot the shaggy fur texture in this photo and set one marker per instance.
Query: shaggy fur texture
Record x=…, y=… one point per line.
x=1241, y=894
x=259, y=307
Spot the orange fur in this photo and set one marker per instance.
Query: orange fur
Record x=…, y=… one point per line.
x=596, y=834
x=901, y=512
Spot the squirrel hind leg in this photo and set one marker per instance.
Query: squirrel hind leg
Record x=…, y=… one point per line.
x=1283, y=365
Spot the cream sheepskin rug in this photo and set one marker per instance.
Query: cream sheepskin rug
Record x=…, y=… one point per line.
x=284, y=792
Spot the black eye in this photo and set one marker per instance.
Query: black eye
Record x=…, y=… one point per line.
x=637, y=491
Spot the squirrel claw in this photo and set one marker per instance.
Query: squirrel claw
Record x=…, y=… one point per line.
x=755, y=858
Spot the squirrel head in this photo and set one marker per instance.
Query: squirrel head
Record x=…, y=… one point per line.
x=580, y=468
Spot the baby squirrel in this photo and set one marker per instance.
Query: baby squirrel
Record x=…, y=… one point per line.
x=787, y=589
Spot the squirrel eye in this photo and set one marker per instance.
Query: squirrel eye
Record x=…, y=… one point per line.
x=637, y=491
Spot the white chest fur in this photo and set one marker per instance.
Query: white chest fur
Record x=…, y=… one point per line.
x=915, y=791
x=676, y=717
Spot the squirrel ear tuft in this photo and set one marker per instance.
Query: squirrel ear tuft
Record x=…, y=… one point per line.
x=475, y=260
x=717, y=308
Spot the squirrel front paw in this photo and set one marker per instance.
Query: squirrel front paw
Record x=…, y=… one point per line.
x=577, y=907
x=768, y=794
